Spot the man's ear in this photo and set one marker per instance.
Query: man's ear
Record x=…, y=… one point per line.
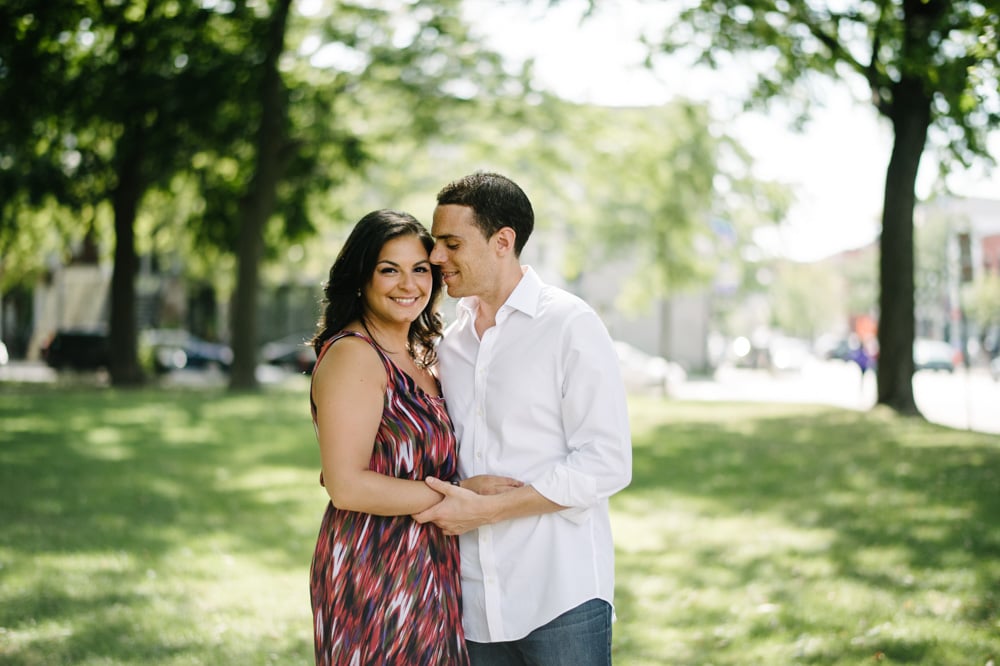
x=504, y=240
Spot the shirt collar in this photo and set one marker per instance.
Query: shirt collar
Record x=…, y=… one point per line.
x=524, y=297
x=527, y=292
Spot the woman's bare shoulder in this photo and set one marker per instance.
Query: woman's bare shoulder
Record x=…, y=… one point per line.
x=349, y=357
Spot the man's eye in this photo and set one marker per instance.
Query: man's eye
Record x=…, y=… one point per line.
x=452, y=246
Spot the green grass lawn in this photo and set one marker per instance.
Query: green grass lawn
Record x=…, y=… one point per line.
x=176, y=527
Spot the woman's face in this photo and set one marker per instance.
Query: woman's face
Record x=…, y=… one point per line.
x=400, y=287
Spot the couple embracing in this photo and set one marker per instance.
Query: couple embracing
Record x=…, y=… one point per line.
x=468, y=471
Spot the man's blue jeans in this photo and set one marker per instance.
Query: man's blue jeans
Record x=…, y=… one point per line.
x=579, y=637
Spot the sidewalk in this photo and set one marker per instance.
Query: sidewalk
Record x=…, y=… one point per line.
x=964, y=399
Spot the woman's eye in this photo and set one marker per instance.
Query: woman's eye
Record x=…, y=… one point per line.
x=421, y=269
x=387, y=270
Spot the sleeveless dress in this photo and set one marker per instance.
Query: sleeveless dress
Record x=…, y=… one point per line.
x=386, y=589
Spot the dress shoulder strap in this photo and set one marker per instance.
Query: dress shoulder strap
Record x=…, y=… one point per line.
x=338, y=336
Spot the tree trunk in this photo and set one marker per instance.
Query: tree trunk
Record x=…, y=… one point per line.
x=122, y=336
x=910, y=117
x=257, y=205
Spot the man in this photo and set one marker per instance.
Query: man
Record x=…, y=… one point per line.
x=532, y=383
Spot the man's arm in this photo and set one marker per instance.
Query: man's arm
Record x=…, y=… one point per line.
x=462, y=510
x=594, y=413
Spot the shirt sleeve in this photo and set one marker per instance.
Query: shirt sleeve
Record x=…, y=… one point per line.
x=595, y=421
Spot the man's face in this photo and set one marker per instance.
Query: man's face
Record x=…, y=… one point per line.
x=466, y=257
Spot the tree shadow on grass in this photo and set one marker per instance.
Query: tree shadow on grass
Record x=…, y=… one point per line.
x=809, y=507
x=103, y=491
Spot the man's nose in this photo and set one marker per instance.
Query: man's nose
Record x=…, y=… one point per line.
x=437, y=256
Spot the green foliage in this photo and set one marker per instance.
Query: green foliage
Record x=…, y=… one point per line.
x=178, y=82
x=861, y=272
x=604, y=182
x=170, y=527
x=114, y=99
x=933, y=70
x=981, y=301
x=950, y=47
x=807, y=299
x=932, y=239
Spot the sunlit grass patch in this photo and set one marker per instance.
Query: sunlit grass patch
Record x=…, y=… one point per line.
x=778, y=534
x=167, y=527
x=156, y=527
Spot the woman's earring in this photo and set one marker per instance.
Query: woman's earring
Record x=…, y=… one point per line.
x=359, y=293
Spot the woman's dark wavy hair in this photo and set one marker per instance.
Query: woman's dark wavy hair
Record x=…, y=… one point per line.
x=353, y=270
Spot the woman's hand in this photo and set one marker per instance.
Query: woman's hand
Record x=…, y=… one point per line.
x=489, y=484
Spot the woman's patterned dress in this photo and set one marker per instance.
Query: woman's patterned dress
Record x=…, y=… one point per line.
x=386, y=589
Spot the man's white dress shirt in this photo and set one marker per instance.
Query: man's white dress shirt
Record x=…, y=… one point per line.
x=539, y=398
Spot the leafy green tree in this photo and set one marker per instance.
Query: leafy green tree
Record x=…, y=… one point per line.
x=932, y=67
x=594, y=175
x=125, y=100
x=667, y=191
x=981, y=301
x=807, y=299
x=403, y=71
x=933, y=236
x=115, y=99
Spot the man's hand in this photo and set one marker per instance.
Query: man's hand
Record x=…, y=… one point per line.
x=460, y=511
x=489, y=484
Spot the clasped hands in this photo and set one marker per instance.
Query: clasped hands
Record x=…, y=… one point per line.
x=466, y=507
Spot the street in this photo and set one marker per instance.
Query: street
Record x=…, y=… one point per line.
x=965, y=400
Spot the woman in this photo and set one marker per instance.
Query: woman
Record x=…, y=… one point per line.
x=384, y=588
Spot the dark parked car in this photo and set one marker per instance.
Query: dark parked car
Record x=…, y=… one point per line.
x=292, y=352
x=77, y=349
x=177, y=349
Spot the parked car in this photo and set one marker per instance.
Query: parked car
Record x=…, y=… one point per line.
x=77, y=349
x=643, y=372
x=789, y=354
x=933, y=355
x=842, y=350
x=177, y=349
x=292, y=352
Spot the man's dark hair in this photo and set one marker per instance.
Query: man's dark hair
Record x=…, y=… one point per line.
x=496, y=202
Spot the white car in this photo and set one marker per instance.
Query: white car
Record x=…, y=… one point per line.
x=933, y=355
x=645, y=372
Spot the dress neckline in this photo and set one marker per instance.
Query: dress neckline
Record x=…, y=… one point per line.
x=411, y=382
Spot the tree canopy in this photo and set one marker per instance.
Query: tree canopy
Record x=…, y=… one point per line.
x=121, y=100
x=933, y=71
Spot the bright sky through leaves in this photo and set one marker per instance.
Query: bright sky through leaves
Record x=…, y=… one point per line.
x=837, y=166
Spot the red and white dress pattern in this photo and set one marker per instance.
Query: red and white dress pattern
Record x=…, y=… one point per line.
x=385, y=589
